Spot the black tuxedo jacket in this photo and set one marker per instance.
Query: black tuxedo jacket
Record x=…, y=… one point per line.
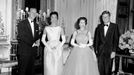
x=25, y=37
x=104, y=45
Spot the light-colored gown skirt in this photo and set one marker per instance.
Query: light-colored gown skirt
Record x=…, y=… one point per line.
x=53, y=63
x=81, y=62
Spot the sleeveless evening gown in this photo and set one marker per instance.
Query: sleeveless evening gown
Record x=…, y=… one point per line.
x=53, y=59
x=81, y=60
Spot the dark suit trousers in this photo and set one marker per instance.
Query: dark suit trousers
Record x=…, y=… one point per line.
x=26, y=63
x=104, y=65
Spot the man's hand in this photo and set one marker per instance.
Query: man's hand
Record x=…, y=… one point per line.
x=112, y=55
x=36, y=43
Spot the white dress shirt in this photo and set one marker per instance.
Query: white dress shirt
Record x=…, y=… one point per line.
x=32, y=25
x=106, y=28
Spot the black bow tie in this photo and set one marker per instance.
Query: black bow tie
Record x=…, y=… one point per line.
x=106, y=25
x=32, y=21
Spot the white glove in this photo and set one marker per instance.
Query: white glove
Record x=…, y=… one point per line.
x=82, y=45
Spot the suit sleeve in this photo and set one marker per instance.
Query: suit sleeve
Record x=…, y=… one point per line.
x=22, y=34
x=37, y=32
x=96, y=41
x=116, y=38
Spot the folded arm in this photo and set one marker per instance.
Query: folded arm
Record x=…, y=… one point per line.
x=43, y=39
x=73, y=39
x=90, y=43
x=63, y=37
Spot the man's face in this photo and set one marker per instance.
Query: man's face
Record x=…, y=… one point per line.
x=33, y=13
x=106, y=18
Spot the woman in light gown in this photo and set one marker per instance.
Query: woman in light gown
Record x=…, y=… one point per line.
x=53, y=63
x=82, y=60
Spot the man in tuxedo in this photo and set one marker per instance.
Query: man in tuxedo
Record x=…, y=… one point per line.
x=106, y=40
x=28, y=35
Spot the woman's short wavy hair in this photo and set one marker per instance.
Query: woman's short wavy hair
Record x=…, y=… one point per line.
x=78, y=21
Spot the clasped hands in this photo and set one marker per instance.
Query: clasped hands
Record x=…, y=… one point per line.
x=54, y=48
x=82, y=45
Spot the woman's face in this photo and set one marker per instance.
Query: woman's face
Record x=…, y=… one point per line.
x=54, y=18
x=82, y=23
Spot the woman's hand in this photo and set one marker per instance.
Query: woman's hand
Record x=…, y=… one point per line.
x=59, y=46
x=82, y=45
x=49, y=49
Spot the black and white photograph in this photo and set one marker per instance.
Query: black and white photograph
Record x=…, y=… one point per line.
x=66, y=37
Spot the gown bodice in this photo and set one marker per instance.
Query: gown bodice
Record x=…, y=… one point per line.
x=53, y=33
x=82, y=38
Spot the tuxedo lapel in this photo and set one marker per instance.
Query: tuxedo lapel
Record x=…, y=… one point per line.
x=109, y=30
x=35, y=29
x=104, y=37
x=102, y=32
x=29, y=27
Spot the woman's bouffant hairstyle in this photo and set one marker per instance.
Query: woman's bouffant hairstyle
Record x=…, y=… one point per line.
x=52, y=13
x=78, y=21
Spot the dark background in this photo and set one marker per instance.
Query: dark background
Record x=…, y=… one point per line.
x=32, y=4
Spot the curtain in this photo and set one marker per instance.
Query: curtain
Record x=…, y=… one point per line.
x=70, y=10
x=5, y=19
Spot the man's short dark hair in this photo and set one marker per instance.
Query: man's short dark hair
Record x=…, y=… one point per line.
x=106, y=12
